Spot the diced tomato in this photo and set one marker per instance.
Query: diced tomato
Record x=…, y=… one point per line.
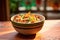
x=32, y=21
x=17, y=18
x=37, y=16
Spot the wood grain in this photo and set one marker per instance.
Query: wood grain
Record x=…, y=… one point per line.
x=50, y=31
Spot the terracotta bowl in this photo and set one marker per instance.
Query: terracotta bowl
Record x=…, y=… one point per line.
x=28, y=29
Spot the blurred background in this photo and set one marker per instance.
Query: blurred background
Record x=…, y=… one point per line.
x=49, y=8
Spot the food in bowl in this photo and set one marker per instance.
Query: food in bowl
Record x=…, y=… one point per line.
x=28, y=23
x=27, y=18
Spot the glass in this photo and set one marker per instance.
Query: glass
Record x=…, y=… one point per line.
x=38, y=3
x=53, y=5
x=28, y=4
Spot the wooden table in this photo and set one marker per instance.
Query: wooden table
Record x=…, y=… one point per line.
x=50, y=31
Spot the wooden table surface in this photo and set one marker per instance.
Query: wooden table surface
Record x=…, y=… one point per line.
x=50, y=31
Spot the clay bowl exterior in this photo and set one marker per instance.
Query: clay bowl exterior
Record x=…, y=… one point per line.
x=28, y=29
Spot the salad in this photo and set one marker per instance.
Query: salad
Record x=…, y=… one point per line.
x=26, y=18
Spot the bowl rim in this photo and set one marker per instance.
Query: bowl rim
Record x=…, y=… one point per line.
x=26, y=23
